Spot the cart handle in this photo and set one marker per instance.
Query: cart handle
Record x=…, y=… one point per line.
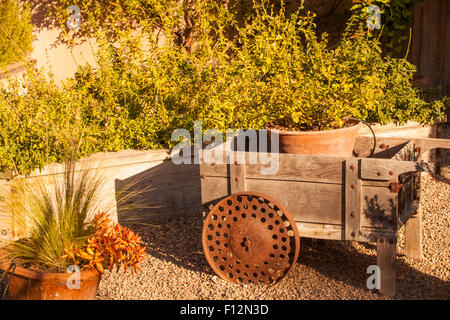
x=373, y=134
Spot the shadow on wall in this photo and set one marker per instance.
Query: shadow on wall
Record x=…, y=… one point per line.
x=164, y=190
x=41, y=14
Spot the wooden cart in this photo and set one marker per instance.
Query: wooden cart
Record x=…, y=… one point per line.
x=356, y=198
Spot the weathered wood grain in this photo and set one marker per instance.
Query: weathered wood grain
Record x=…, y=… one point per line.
x=212, y=189
x=291, y=167
x=352, y=188
x=379, y=208
x=236, y=177
x=320, y=231
x=306, y=201
x=386, y=258
x=413, y=235
x=383, y=169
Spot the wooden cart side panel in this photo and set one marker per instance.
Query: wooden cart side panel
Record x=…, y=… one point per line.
x=307, y=202
x=318, y=207
x=290, y=167
x=321, y=169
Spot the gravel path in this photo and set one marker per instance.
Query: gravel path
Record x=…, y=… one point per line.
x=175, y=267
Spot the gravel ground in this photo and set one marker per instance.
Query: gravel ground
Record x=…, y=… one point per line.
x=175, y=267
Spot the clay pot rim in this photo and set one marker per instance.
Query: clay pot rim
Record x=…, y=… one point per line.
x=36, y=275
x=306, y=133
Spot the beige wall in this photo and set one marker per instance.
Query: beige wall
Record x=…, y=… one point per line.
x=63, y=61
x=48, y=51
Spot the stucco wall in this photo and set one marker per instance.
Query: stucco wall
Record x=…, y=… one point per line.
x=63, y=60
x=48, y=51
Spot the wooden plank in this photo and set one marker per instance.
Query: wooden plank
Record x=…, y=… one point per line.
x=352, y=196
x=429, y=144
x=413, y=235
x=213, y=188
x=410, y=130
x=386, y=146
x=405, y=153
x=294, y=167
x=379, y=208
x=320, y=231
x=383, y=169
x=337, y=232
x=386, y=258
x=107, y=160
x=307, y=202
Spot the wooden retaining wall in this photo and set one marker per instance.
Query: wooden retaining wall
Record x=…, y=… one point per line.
x=169, y=189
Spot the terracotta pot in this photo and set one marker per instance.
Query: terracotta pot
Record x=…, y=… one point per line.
x=31, y=285
x=338, y=142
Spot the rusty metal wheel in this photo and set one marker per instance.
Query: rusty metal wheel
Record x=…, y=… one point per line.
x=250, y=238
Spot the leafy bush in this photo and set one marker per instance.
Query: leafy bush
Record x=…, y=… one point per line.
x=396, y=16
x=277, y=69
x=15, y=31
x=306, y=85
x=272, y=67
x=105, y=110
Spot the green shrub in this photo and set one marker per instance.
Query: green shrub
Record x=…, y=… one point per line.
x=105, y=111
x=15, y=32
x=277, y=69
x=396, y=16
x=273, y=67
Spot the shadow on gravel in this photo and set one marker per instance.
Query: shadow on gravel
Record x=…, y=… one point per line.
x=338, y=260
x=177, y=240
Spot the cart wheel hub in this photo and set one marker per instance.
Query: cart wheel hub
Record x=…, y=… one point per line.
x=250, y=238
